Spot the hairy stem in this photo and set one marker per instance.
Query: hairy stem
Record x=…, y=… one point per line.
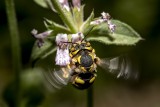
x=65, y=16
x=15, y=45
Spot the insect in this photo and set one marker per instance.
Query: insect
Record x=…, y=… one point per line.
x=84, y=61
x=81, y=71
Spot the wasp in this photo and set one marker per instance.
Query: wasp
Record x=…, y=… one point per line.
x=84, y=61
x=82, y=69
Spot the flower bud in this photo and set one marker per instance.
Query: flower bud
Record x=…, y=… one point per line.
x=77, y=3
x=65, y=4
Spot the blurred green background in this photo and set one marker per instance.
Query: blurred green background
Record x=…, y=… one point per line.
x=142, y=15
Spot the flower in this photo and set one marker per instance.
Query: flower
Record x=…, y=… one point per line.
x=77, y=3
x=40, y=37
x=105, y=18
x=111, y=26
x=77, y=37
x=62, y=55
x=97, y=22
x=65, y=4
x=61, y=40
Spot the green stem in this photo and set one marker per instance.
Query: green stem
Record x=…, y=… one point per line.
x=15, y=44
x=90, y=97
x=65, y=16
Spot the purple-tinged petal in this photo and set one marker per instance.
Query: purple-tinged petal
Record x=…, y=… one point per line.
x=105, y=18
x=77, y=3
x=62, y=57
x=40, y=36
x=77, y=37
x=40, y=42
x=111, y=26
x=61, y=40
x=97, y=22
x=65, y=4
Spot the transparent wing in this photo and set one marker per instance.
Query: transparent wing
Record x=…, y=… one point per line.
x=122, y=66
x=56, y=79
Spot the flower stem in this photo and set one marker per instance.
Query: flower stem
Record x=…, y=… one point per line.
x=15, y=45
x=65, y=15
x=90, y=97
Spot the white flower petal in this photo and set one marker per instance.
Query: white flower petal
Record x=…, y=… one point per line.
x=97, y=22
x=77, y=37
x=65, y=4
x=34, y=32
x=42, y=35
x=61, y=38
x=62, y=57
x=105, y=16
x=66, y=7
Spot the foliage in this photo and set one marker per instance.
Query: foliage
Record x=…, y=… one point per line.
x=73, y=23
x=123, y=34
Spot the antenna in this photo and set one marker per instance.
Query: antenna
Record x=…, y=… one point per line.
x=87, y=33
x=70, y=42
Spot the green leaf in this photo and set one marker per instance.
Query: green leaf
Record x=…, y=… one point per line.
x=41, y=3
x=42, y=52
x=65, y=15
x=57, y=28
x=123, y=35
x=86, y=27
